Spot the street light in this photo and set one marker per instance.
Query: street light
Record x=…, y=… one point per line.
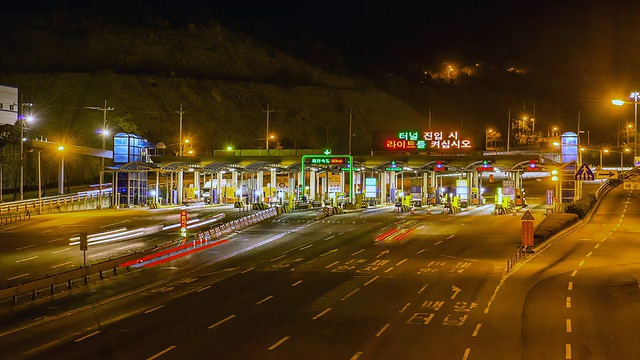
x=486, y=138
x=39, y=185
x=61, y=177
x=22, y=128
x=598, y=150
x=621, y=156
x=635, y=96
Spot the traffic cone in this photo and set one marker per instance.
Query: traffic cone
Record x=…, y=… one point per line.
x=514, y=212
x=413, y=211
x=429, y=210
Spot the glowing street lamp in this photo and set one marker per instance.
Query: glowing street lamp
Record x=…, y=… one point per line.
x=635, y=96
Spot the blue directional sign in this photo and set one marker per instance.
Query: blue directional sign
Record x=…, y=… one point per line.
x=584, y=173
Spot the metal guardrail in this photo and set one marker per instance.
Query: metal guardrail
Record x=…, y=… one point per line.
x=32, y=205
x=67, y=277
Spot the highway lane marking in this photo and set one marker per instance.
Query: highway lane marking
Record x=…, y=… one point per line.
x=306, y=247
x=382, y=330
x=25, y=247
x=404, y=308
x=265, y=299
x=162, y=352
x=296, y=283
x=59, y=251
x=356, y=356
x=475, y=332
x=330, y=265
x=581, y=263
x=423, y=289
x=204, y=288
x=604, y=239
x=570, y=286
x=27, y=259
x=331, y=237
x=568, y=325
x=249, y=269
x=54, y=240
x=357, y=252
x=449, y=237
x=419, y=227
x=421, y=251
x=279, y=343
x=383, y=253
x=18, y=277
x=568, y=302
x=466, y=353
x=621, y=216
x=439, y=242
x=87, y=336
x=278, y=258
x=567, y=351
x=574, y=273
x=389, y=269
x=222, y=321
x=329, y=252
x=596, y=246
x=609, y=234
x=154, y=309
x=590, y=253
x=372, y=280
x=340, y=233
x=63, y=264
x=322, y=313
x=401, y=262
x=46, y=231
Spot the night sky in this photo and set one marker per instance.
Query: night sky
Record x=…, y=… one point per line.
x=571, y=56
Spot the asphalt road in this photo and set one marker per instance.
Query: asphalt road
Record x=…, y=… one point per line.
x=40, y=246
x=320, y=290
x=364, y=285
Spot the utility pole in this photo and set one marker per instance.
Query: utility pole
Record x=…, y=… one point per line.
x=350, y=131
x=267, y=134
x=429, y=118
x=104, y=134
x=22, y=128
x=508, y=129
x=180, y=112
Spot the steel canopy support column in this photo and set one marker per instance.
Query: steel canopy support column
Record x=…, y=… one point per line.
x=274, y=184
x=312, y=185
x=180, y=187
x=219, y=187
x=260, y=186
x=156, y=197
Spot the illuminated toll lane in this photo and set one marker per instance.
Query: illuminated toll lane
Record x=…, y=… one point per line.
x=374, y=286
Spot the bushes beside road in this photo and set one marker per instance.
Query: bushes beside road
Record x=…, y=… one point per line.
x=556, y=222
x=553, y=224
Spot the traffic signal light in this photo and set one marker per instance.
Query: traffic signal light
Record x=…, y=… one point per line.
x=554, y=175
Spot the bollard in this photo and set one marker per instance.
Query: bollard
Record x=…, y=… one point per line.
x=508, y=265
x=115, y=270
x=34, y=293
x=53, y=289
x=69, y=284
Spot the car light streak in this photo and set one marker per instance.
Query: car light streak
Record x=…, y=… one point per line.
x=101, y=238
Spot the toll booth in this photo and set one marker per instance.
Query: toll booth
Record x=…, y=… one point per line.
x=132, y=186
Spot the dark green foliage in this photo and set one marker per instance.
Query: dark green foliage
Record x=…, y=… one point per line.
x=553, y=224
x=582, y=206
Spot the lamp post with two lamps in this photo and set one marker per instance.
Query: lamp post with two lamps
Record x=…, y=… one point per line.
x=621, y=156
x=635, y=96
x=598, y=150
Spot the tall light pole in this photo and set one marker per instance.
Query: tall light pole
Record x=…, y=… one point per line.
x=22, y=127
x=268, y=111
x=180, y=112
x=635, y=96
x=39, y=185
x=104, y=133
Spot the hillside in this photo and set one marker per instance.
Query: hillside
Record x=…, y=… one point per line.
x=223, y=80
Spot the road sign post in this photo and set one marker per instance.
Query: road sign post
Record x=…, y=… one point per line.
x=527, y=229
x=84, y=246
